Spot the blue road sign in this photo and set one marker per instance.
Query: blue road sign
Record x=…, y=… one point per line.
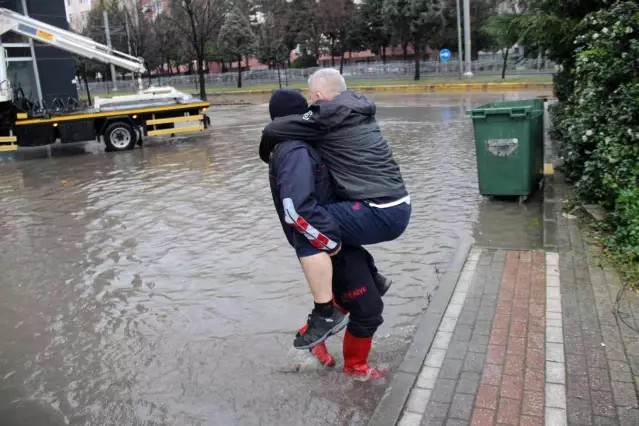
x=444, y=55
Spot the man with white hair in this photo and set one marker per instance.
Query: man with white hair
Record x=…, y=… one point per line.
x=375, y=204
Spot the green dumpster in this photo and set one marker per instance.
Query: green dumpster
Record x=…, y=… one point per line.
x=509, y=140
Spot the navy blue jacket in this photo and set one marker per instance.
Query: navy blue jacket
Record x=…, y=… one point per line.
x=301, y=186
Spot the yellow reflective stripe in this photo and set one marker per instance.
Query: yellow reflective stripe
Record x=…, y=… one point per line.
x=22, y=115
x=112, y=113
x=8, y=139
x=8, y=148
x=174, y=119
x=175, y=130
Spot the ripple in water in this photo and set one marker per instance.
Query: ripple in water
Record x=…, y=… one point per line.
x=155, y=287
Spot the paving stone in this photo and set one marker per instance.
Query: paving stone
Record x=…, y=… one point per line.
x=462, y=333
x=482, y=328
x=477, y=347
x=531, y=421
x=479, y=340
x=533, y=403
x=628, y=416
x=474, y=362
x=427, y=377
x=599, y=379
x=455, y=422
x=437, y=409
x=604, y=421
x=462, y=406
x=512, y=386
x=620, y=371
x=514, y=365
x=432, y=421
x=624, y=394
x=534, y=379
x=555, y=395
x=496, y=354
x=576, y=365
x=577, y=386
x=602, y=403
x=579, y=411
x=444, y=390
x=483, y=417
x=457, y=350
x=492, y=375
x=508, y=412
x=487, y=397
x=418, y=400
x=451, y=368
x=468, y=382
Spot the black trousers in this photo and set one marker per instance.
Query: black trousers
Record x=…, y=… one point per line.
x=355, y=291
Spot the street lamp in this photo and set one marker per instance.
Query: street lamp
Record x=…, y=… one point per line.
x=469, y=64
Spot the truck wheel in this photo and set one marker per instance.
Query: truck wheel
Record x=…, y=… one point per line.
x=119, y=136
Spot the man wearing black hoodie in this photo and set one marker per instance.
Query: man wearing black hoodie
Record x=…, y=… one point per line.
x=373, y=205
x=300, y=183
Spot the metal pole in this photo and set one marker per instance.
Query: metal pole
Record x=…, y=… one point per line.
x=459, y=42
x=128, y=42
x=108, y=37
x=469, y=63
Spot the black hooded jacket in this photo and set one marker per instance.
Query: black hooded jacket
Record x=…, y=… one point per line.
x=345, y=133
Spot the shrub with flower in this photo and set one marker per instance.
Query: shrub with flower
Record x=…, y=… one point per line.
x=598, y=127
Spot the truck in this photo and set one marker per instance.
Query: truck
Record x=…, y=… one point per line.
x=122, y=122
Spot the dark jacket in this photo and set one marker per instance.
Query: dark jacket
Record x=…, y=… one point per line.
x=349, y=140
x=300, y=186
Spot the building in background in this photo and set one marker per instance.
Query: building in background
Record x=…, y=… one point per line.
x=41, y=72
x=78, y=13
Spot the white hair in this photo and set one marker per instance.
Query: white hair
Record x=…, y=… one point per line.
x=328, y=81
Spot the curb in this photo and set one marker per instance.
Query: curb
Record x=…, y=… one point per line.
x=421, y=88
x=390, y=408
x=551, y=203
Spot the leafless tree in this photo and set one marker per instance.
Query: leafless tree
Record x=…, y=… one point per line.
x=200, y=22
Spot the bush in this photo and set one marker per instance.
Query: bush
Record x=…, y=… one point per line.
x=304, y=61
x=598, y=123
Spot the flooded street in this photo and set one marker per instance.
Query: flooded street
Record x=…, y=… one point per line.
x=155, y=287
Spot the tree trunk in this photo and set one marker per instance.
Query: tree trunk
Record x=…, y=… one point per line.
x=239, y=72
x=503, y=70
x=333, y=52
x=341, y=63
x=200, y=72
x=247, y=62
x=279, y=76
x=417, y=61
x=405, y=48
x=384, y=55
x=286, y=76
x=86, y=83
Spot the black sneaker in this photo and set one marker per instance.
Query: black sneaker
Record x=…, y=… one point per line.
x=320, y=328
x=382, y=283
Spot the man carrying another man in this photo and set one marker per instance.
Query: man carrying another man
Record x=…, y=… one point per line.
x=374, y=205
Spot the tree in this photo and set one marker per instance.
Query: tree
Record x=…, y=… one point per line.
x=505, y=31
x=199, y=21
x=374, y=28
x=421, y=19
x=271, y=47
x=237, y=38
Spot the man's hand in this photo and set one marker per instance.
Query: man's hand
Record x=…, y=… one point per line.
x=334, y=253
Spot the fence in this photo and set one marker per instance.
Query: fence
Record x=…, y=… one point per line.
x=352, y=73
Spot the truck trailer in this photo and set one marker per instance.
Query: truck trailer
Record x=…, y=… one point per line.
x=121, y=121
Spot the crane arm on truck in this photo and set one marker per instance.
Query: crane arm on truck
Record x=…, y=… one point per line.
x=62, y=39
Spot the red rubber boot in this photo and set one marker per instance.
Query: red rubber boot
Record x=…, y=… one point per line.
x=356, y=350
x=320, y=351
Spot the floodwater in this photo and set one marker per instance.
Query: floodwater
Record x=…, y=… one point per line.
x=155, y=287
